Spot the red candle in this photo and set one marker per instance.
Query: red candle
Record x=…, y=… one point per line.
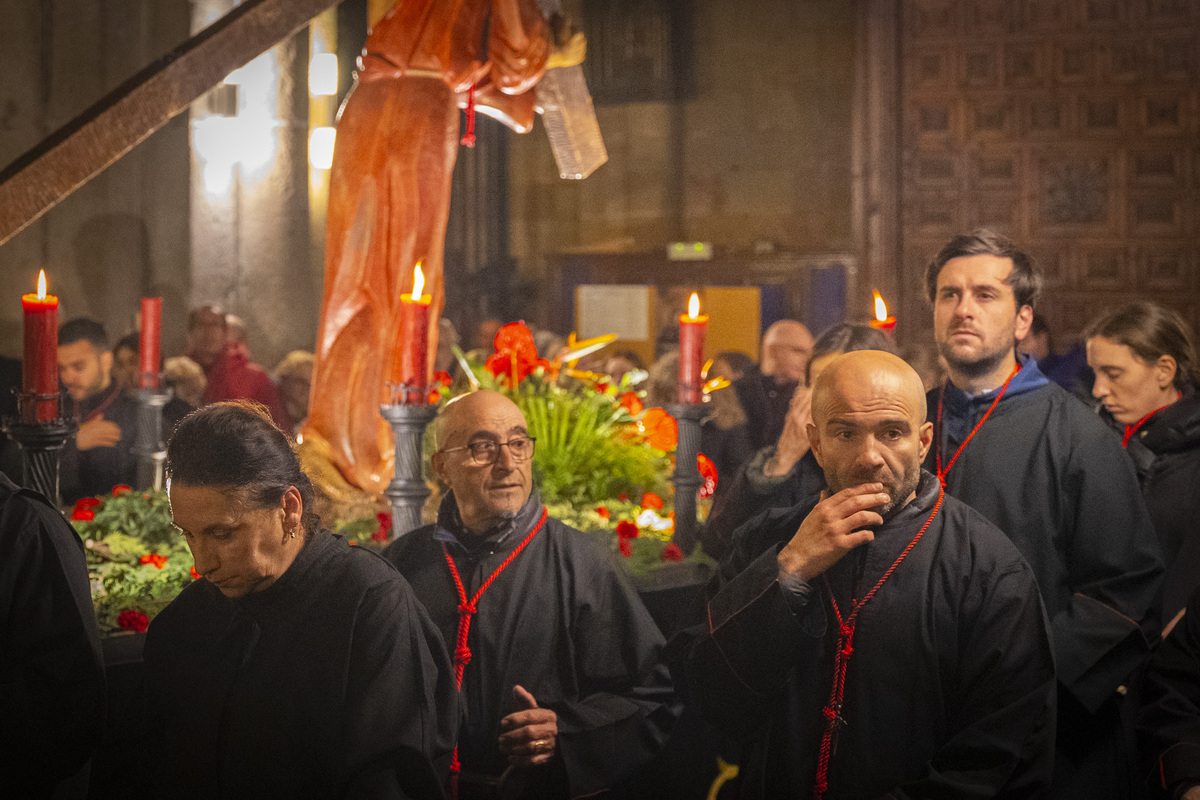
x=148, y=348
x=39, y=371
x=691, y=351
x=414, y=338
x=882, y=320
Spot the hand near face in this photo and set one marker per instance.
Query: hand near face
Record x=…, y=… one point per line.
x=832, y=529
x=97, y=433
x=793, y=442
x=527, y=736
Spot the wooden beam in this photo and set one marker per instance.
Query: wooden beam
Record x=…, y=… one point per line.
x=85, y=146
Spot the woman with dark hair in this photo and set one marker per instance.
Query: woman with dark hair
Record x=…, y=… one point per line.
x=297, y=666
x=1144, y=358
x=783, y=475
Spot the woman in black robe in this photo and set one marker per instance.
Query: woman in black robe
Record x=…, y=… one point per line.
x=298, y=666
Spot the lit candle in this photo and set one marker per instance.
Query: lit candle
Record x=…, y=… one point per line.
x=414, y=337
x=148, y=347
x=691, y=351
x=39, y=371
x=882, y=321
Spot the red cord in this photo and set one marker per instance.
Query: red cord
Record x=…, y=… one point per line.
x=467, y=608
x=1130, y=430
x=468, y=138
x=845, y=646
x=941, y=474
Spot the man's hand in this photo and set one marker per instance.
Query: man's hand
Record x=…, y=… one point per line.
x=97, y=433
x=793, y=442
x=833, y=529
x=1192, y=793
x=527, y=736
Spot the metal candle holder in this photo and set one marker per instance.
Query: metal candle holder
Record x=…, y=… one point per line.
x=407, y=490
x=41, y=443
x=686, y=478
x=148, y=444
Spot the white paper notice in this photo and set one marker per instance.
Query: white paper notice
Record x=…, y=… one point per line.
x=621, y=309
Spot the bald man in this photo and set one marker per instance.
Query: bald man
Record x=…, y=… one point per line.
x=880, y=639
x=561, y=671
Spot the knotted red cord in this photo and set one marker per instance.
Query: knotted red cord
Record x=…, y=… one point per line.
x=468, y=138
x=467, y=608
x=941, y=474
x=845, y=646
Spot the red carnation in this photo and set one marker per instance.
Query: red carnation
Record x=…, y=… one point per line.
x=442, y=378
x=83, y=515
x=603, y=512
x=631, y=403
x=626, y=547
x=516, y=354
x=88, y=502
x=651, y=500
x=627, y=530
x=155, y=559
x=672, y=552
x=120, y=489
x=133, y=620
x=385, y=527
x=659, y=428
x=196, y=575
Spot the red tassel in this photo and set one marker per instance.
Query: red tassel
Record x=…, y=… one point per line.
x=468, y=138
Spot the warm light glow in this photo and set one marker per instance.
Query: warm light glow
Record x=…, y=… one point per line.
x=694, y=306
x=880, y=308
x=323, y=74
x=418, y=282
x=320, y=147
x=41, y=295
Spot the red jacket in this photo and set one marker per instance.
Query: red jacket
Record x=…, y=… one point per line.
x=233, y=376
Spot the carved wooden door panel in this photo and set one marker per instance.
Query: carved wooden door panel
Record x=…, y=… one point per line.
x=1072, y=126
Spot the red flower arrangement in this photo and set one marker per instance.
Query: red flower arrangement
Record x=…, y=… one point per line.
x=516, y=354
x=385, y=527
x=672, y=552
x=603, y=512
x=82, y=515
x=155, y=559
x=659, y=428
x=626, y=533
x=120, y=489
x=133, y=620
x=631, y=403
x=651, y=500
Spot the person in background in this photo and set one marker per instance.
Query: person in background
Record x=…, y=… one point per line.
x=1144, y=358
x=127, y=375
x=100, y=454
x=618, y=364
x=228, y=370
x=448, y=339
x=766, y=393
x=723, y=436
x=235, y=330
x=1048, y=473
x=559, y=663
x=294, y=376
x=297, y=665
x=52, y=689
x=786, y=473
x=1069, y=370
x=186, y=379
x=662, y=382
x=1169, y=720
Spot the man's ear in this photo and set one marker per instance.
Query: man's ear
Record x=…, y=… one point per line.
x=106, y=362
x=437, y=461
x=1024, y=322
x=814, y=443
x=925, y=433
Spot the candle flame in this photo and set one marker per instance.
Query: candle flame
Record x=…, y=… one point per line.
x=694, y=306
x=41, y=294
x=418, y=282
x=880, y=308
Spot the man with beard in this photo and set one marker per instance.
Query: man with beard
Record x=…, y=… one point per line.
x=1047, y=471
x=881, y=638
x=559, y=663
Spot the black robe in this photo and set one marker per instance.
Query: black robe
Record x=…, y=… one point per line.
x=562, y=622
x=85, y=473
x=1049, y=473
x=332, y=680
x=950, y=686
x=1169, y=723
x=51, y=672
x=1166, y=452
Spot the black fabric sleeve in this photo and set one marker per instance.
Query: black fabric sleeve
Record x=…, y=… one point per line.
x=1169, y=722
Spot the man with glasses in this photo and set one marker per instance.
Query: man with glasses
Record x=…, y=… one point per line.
x=559, y=663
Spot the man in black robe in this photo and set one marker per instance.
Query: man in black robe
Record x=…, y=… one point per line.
x=1054, y=478
x=99, y=455
x=927, y=611
x=51, y=671
x=562, y=678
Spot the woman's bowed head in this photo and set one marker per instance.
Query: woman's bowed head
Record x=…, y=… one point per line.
x=238, y=496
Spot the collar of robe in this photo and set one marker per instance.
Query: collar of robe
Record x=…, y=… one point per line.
x=292, y=579
x=452, y=532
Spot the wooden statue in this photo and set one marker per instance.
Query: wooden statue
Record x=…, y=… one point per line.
x=389, y=199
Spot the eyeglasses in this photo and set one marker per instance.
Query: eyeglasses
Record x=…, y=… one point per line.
x=486, y=452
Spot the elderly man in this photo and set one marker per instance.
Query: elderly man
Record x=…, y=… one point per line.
x=228, y=371
x=1046, y=471
x=558, y=660
x=766, y=393
x=881, y=638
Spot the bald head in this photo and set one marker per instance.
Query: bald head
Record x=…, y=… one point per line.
x=868, y=410
x=486, y=493
x=786, y=348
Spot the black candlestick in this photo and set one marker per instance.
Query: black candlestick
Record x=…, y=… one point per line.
x=41, y=443
x=687, y=478
x=148, y=444
x=407, y=490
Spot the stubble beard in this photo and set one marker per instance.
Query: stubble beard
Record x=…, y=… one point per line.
x=978, y=366
x=898, y=491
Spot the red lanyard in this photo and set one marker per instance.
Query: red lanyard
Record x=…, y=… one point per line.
x=833, y=711
x=938, y=444
x=1130, y=430
x=98, y=410
x=467, y=608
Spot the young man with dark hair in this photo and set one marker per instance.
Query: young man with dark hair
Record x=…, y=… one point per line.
x=100, y=454
x=1047, y=472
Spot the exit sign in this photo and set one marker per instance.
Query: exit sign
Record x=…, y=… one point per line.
x=690, y=251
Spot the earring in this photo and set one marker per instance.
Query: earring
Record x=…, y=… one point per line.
x=293, y=533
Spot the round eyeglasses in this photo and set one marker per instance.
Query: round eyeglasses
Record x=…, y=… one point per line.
x=486, y=452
